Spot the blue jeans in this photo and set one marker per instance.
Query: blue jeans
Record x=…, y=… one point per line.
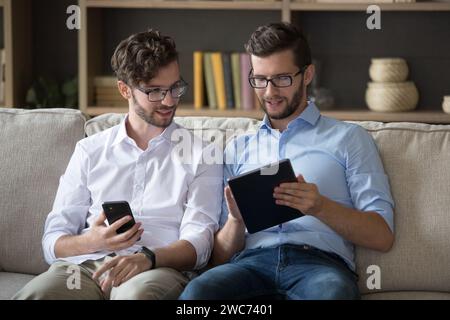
x=287, y=272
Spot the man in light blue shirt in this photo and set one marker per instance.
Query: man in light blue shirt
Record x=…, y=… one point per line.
x=341, y=188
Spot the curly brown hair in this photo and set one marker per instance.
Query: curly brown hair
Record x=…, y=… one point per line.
x=138, y=58
x=280, y=36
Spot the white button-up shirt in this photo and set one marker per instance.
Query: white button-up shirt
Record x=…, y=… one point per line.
x=174, y=199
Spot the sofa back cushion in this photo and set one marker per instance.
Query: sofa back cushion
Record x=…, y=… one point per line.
x=35, y=148
x=416, y=158
x=213, y=129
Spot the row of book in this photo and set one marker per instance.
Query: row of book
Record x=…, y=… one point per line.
x=221, y=81
x=106, y=93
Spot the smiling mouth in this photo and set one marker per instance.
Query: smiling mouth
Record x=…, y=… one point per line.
x=273, y=103
x=165, y=111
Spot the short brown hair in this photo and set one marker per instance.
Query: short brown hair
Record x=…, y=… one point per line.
x=139, y=57
x=280, y=36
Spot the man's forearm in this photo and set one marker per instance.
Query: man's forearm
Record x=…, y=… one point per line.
x=366, y=229
x=68, y=246
x=180, y=255
x=229, y=240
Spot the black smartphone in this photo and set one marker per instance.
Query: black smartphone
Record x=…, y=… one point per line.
x=115, y=210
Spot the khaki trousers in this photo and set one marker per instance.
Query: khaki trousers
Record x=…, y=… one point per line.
x=62, y=281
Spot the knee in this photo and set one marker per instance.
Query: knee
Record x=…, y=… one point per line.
x=197, y=289
x=36, y=290
x=333, y=287
x=135, y=294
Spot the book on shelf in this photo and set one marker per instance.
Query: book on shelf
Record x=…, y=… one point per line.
x=219, y=81
x=228, y=79
x=236, y=74
x=199, y=91
x=105, y=81
x=247, y=92
x=209, y=80
x=106, y=92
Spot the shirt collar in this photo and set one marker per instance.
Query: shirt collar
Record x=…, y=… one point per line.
x=310, y=115
x=122, y=132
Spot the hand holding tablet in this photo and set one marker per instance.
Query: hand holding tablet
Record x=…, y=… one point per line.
x=253, y=192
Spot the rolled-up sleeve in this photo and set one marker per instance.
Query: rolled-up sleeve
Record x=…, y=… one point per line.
x=71, y=205
x=203, y=206
x=367, y=181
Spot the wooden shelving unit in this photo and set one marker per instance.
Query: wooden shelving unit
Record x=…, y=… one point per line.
x=197, y=5
x=417, y=6
x=17, y=45
x=91, y=35
x=435, y=117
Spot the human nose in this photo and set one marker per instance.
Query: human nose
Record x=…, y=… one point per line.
x=271, y=89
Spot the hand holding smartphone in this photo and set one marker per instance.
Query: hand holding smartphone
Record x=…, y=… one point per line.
x=115, y=210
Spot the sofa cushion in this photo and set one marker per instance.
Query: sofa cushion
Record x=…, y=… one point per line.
x=213, y=129
x=11, y=283
x=35, y=148
x=416, y=158
x=407, y=295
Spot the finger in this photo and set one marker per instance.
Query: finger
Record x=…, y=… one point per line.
x=116, y=225
x=288, y=204
x=134, y=239
x=120, y=277
x=288, y=198
x=229, y=195
x=301, y=179
x=106, y=286
x=290, y=191
x=293, y=186
x=121, y=237
x=231, y=202
x=106, y=266
x=301, y=195
x=100, y=219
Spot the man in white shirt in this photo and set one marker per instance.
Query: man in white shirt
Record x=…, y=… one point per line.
x=176, y=203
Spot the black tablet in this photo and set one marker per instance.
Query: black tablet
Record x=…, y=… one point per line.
x=253, y=192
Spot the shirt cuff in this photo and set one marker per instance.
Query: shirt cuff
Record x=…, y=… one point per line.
x=202, y=248
x=48, y=246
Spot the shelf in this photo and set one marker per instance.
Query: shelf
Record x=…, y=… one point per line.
x=224, y=5
x=91, y=45
x=184, y=111
x=350, y=115
x=418, y=6
x=365, y=115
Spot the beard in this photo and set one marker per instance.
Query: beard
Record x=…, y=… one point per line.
x=151, y=117
x=291, y=106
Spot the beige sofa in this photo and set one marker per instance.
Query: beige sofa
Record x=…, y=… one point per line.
x=35, y=147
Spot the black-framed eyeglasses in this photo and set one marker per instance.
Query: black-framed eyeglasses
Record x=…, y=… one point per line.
x=156, y=94
x=280, y=81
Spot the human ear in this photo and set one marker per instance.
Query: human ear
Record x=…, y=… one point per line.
x=309, y=74
x=124, y=90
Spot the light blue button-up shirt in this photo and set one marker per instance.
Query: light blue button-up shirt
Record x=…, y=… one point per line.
x=340, y=158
